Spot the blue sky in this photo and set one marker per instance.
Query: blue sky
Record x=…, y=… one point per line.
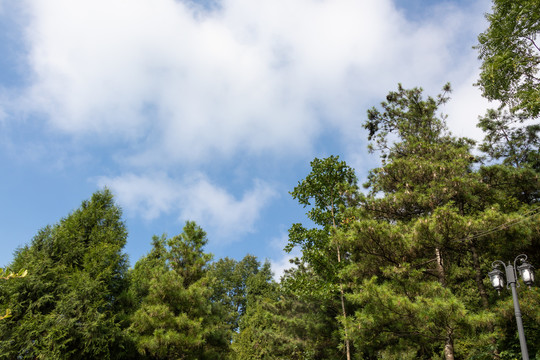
x=208, y=113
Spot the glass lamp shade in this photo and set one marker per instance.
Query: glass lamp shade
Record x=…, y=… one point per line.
x=496, y=278
x=527, y=273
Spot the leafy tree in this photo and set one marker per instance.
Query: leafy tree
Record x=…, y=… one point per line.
x=71, y=302
x=506, y=140
x=329, y=188
x=510, y=55
x=231, y=287
x=283, y=321
x=176, y=318
x=512, y=146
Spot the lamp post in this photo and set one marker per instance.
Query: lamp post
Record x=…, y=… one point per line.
x=497, y=280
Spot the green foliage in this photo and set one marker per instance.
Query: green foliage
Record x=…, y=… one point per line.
x=5, y=274
x=176, y=318
x=407, y=117
x=506, y=139
x=510, y=55
x=330, y=188
x=285, y=322
x=71, y=302
x=408, y=313
x=423, y=239
x=232, y=286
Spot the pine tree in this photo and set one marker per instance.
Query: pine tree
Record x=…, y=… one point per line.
x=176, y=318
x=410, y=242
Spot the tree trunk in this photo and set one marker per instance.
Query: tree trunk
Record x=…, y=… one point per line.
x=342, y=298
x=342, y=293
x=449, y=343
x=449, y=347
x=440, y=267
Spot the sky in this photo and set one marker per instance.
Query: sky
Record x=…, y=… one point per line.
x=209, y=110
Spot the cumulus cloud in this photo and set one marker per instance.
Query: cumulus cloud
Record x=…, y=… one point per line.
x=186, y=84
x=193, y=198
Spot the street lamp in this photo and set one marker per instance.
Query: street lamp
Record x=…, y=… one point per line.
x=497, y=280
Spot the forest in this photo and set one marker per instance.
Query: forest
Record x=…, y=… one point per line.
x=395, y=268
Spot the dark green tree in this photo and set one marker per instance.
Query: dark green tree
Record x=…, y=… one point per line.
x=176, y=318
x=71, y=303
x=435, y=217
x=410, y=230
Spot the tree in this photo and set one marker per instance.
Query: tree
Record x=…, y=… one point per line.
x=71, y=302
x=176, y=318
x=410, y=229
x=510, y=56
x=433, y=218
x=331, y=186
x=506, y=140
x=283, y=321
x=231, y=287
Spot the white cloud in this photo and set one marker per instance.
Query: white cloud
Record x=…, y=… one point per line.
x=255, y=76
x=146, y=196
x=283, y=262
x=195, y=198
x=279, y=266
x=463, y=110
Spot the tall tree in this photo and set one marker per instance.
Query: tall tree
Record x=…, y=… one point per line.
x=426, y=181
x=432, y=218
x=71, y=303
x=329, y=188
x=284, y=321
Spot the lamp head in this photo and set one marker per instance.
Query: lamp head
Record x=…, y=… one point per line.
x=526, y=271
x=496, y=278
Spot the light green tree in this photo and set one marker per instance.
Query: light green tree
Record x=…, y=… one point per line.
x=231, y=287
x=328, y=189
